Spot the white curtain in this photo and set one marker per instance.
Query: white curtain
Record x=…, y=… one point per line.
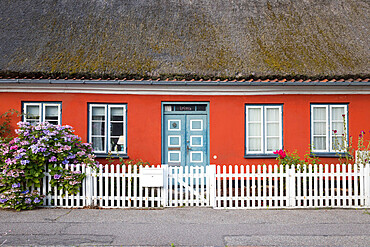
x=51, y=114
x=98, y=128
x=273, y=129
x=319, y=128
x=254, y=129
x=337, y=128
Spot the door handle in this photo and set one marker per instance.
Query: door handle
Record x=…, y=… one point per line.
x=187, y=148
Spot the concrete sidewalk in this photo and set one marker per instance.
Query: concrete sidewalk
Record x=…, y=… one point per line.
x=185, y=227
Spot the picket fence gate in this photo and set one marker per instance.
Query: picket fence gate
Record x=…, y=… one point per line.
x=221, y=186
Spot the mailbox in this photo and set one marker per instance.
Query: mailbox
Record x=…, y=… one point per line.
x=151, y=177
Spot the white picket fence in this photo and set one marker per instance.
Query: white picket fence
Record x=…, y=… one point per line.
x=312, y=186
x=252, y=187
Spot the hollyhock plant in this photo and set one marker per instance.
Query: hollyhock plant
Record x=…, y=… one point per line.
x=37, y=148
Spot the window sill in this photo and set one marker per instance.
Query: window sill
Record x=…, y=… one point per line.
x=113, y=156
x=260, y=156
x=331, y=155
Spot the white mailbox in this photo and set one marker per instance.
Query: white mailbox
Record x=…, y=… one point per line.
x=151, y=177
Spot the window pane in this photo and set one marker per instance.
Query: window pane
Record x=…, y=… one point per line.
x=254, y=129
x=51, y=111
x=254, y=114
x=338, y=127
x=337, y=112
x=116, y=129
x=116, y=114
x=98, y=128
x=33, y=112
x=51, y=114
x=337, y=143
x=319, y=129
x=319, y=143
x=272, y=114
x=319, y=113
x=52, y=122
x=201, y=107
x=272, y=144
x=98, y=113
x=114, y=146
x=98, y=143
x=273, y=129
x=254, y=144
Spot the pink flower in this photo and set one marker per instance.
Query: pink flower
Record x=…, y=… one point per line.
x=335, y=131
x=15, y=147
x=281, y=153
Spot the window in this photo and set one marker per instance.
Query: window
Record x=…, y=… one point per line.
x=107, y=128
x=328, y=127
x=42, y=112
x=263, y=129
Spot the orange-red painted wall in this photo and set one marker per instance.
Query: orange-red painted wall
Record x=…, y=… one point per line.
x=227, y=123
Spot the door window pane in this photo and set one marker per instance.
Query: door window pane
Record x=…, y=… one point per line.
x=196, y=125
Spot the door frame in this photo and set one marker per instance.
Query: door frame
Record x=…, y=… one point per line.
x=185, y=103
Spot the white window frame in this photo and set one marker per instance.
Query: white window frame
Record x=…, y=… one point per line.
x=329, y=127
x=107, y=110
x=263, y=137
x=42, y=110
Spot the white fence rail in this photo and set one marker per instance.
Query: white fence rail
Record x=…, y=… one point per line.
x=252, y=187
x=311, y=186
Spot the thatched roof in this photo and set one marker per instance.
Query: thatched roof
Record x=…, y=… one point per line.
x=235, y=39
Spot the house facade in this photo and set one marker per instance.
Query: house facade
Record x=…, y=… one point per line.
x=192, y=123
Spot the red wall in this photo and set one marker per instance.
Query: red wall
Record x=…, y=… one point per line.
x=227, y=134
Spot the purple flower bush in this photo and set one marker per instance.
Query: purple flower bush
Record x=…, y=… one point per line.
x=37, y=148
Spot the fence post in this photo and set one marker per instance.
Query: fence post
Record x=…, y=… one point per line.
x=89, y=187
x=367, y=185
x=291, y=186
x=164, y=190
x=211, y=182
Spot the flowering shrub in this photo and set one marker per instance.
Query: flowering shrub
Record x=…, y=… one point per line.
x=42, y=146
x=286, y=158
x=18, y=199
x=66, y=179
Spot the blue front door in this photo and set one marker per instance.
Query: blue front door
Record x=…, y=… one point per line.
x=185, y=138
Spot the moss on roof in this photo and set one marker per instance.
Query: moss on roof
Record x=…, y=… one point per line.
x=208, y=38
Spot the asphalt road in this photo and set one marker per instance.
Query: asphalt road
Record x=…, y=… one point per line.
x=185, y=227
